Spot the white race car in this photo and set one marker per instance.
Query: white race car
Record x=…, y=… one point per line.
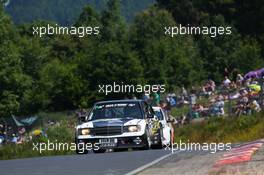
x=119, y=124
x=167, y=130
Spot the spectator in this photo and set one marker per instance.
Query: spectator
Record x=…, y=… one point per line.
x=233, y=85
x=21, y=130
x=182, y=101
x=184, y=93
x=14, y=139
x=226, y=82
x=146, y=97
x=243, y=106
x=193, y=99
x=218, y=107
x=198, y=110
x=155, y=99
x=211, y=85
x=226, y=72
x=193, y=90
x=254, y=106
x=239, y=80
x=171, y=100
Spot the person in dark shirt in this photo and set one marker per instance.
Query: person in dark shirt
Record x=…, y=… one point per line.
x=226, y=72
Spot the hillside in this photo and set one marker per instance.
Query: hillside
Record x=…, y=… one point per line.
x=66, y=11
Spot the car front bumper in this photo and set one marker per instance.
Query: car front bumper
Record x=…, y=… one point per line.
x=120, y=142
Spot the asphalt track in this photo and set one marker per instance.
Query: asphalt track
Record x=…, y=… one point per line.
x=113, y=163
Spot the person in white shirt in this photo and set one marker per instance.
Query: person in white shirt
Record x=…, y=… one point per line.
x=226, y=82
x=239, y=79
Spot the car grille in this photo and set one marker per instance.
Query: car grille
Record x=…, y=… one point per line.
x=106, y=131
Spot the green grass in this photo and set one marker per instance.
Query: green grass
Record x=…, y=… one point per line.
x=225, y=130
x=61, y=132
x=26, y=151
x=178, y=112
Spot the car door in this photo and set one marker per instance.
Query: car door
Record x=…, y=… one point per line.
x=154, y=123
x=166, y=130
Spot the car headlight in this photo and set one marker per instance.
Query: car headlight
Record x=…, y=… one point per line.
x=85, y=131
x=134, y=128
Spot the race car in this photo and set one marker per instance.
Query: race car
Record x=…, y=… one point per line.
x=167, y=129
x=119, y=124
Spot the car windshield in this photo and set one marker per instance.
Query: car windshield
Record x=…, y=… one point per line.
x=116, y=110
x=159, y=114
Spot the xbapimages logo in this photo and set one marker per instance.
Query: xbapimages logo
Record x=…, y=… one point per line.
x=129, y=88
x=211, y=31
x=60, y=30
x=191, y=146
x=59, y=146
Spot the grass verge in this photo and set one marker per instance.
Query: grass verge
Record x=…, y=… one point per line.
x=224, y=130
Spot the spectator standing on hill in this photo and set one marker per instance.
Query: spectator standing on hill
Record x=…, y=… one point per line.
x=170, y=99
x=226, y=72
x=254, y=106
x=212, y=85
x=184, y=92
x=146, y=97
x=226, y=82
x=155, y=98
x=14, y=139
x=239, y=80
x=218, y=107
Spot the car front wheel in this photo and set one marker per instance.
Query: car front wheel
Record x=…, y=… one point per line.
x=99, y=151
x=146, y=141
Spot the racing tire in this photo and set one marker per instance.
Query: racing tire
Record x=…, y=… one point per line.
x=120, y=149
x=78, y=151
x=159, y=144
x=99, y=151
x=81, y=151
x=146, y=141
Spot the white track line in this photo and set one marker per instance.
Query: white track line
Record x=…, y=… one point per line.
x=149, y=164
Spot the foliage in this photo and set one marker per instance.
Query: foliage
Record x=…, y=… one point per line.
x=223, y=130
x=63, y=72
x=66, y=12
x=62, y=131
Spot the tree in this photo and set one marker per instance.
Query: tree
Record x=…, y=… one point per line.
x=184, y=11
x=113, y=23
x=59, y=86
x=247, y=55
x=88, y=17
x=173, y=61
x=13, y=82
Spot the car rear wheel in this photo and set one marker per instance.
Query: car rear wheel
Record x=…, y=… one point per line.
x=159, y=144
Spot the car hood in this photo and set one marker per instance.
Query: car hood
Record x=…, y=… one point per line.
x=110, y=122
